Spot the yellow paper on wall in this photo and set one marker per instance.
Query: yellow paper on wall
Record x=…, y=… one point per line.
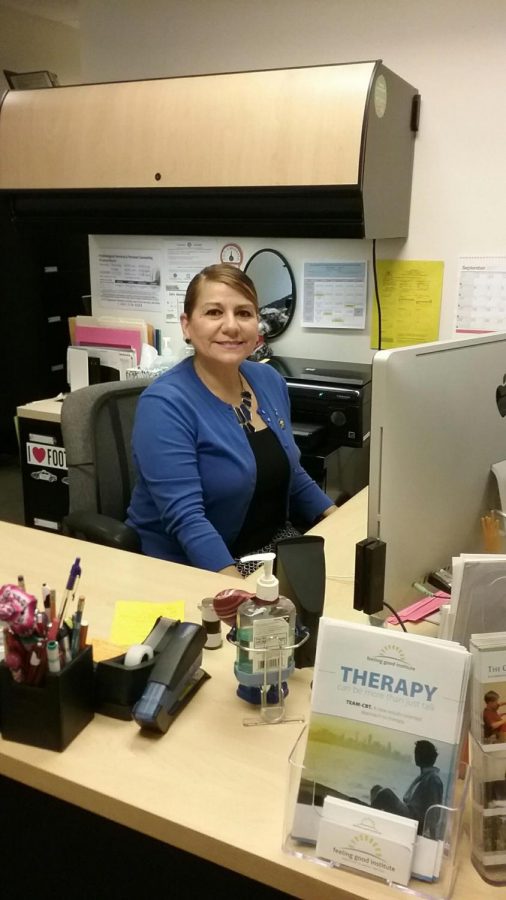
x=410, y=300
x=133, y=619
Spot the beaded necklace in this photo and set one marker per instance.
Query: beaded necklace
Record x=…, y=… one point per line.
x=243, y=411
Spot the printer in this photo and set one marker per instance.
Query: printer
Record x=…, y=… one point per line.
x=330, y=401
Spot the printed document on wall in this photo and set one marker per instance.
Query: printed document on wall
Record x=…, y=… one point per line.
x=481, y=302
x=130, y=280
x=410, y=301
x=335, y=295
x=185, y=258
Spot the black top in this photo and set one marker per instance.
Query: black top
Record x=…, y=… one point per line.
x=267, y=510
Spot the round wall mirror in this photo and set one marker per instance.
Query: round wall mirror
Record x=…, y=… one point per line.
x=275, y=285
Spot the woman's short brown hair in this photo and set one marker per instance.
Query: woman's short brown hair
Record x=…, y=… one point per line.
x=221, y=273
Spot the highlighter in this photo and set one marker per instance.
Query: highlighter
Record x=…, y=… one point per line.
x=53, y=656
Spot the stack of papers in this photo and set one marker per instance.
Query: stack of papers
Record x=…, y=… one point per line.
x=113, y=332
x=478, y=599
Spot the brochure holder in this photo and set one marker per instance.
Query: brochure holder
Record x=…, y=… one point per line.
x=488, y=814
x=444, y=821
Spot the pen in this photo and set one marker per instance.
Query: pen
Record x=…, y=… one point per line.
x=21, y=582
x=52, y=604
x=72, y=582
x=76, y=627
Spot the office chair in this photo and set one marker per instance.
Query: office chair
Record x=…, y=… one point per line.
x=96, y=423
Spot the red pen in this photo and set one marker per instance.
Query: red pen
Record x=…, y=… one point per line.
x=52, y=632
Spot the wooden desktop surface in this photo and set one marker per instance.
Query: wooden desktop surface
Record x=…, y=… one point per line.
x=45, y=410
x=210, y=786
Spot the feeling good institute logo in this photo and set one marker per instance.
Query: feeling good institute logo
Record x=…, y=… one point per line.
x=392, y=655
x=365, y=844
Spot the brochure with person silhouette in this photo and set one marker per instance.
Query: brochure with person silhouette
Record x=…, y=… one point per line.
x=385, y=726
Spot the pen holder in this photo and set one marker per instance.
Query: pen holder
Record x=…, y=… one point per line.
x=118, y=688
x=52, y=715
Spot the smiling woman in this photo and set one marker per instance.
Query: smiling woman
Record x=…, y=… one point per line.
x=218, y=469
x=221, y=320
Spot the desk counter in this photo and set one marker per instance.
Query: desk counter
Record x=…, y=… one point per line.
x=209, y=786
x=48, y=410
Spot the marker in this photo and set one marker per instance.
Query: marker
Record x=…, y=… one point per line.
x=53, y=656
x=76, y=627
x=83, y=634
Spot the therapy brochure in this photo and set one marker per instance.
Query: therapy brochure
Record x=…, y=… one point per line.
x=386, y=718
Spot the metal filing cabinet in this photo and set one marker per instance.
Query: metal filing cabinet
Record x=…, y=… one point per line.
x=43, y=465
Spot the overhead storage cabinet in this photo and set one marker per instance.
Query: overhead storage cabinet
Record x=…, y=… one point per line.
x=316, y=151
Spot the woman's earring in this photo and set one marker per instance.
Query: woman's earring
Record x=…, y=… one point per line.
x=187, y=341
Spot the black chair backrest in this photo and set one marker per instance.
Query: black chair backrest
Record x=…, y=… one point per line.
x=97, y=424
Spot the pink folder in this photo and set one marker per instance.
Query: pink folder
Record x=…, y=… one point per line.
x=110, y=337
x=421, y=609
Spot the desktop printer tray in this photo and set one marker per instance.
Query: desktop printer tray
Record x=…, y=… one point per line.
x=308, y=435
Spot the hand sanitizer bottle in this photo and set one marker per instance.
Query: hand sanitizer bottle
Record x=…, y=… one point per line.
x=265, y=625
x=168, y=358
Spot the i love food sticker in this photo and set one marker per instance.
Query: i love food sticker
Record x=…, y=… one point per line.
x=47, y=455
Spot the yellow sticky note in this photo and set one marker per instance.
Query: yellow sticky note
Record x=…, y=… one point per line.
x=105, y=649
x=133, y=619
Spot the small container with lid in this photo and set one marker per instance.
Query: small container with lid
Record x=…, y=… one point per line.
x=212, y=623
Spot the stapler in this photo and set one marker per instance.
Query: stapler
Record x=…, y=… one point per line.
x=174, y=679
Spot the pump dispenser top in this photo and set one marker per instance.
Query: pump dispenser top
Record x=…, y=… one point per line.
x=267, y=588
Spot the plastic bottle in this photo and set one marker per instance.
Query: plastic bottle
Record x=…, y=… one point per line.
x=185, y=351
x=167, y=357
x=266, y=622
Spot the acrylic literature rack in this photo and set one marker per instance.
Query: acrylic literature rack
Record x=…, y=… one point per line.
x=363, y=854
x=374, y=784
